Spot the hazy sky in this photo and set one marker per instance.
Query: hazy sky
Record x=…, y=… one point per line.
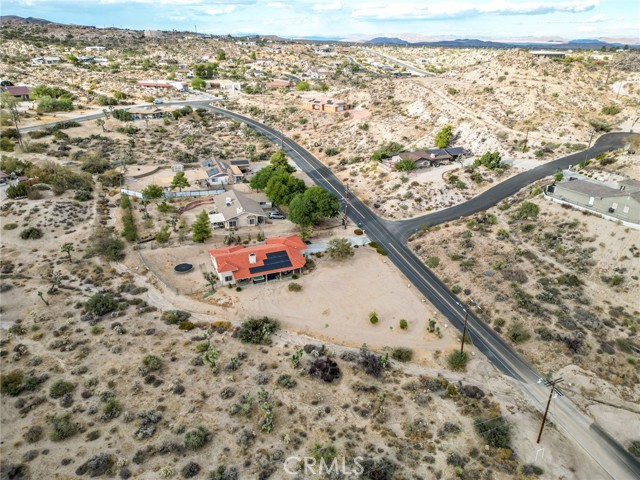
x=346, y=18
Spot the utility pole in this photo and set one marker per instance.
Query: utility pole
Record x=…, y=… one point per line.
x=554, y=389
x=526, y=137
x=346, y=206
x=464, y=331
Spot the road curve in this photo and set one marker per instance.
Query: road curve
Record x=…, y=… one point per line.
x=614, y=461
x=508, y=187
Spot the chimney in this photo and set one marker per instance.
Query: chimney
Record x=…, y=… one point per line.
x=252, y=258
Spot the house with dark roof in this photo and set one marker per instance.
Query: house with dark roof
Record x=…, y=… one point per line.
x=619, y=203
x=234, y=210
x=277, y=258
x=433, y=157
x=17, y=91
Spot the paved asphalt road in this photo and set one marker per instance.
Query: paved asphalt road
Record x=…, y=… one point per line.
x=408, y=66
x=614, y=461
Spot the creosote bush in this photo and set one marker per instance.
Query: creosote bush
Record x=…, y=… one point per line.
x=152, y=362
x=60, y=388
x=496, y=432
x=457, y=360
x=62, y=427
x=258, y=330
x=402, y=354
x=198, y=438
x=101, y=304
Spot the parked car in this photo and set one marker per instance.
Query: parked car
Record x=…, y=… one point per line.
x=158, y=101
x=276, y=215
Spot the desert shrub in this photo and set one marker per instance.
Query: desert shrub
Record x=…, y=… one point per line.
x=611, y=109
x=31, y=233
x=152, y=362
x=101, y=304
x=456, y=289
x=106, y=244
x=258, y=330
x=358, y=231
x=60, y=388
x=198, y=438
x=404, y=324
x=532, y=470
x=82, y=195
x=172, y=317
x=634, y=448
x=402, y=354
x=373, y=318
x=112, y=408
x=62, y=427
x=186, y=325
x=600, y=125
x=432, y=262
x=287, y=381
x=457, y=360
x=11, y=383
x=295, y=287
x=496, y=432
x=17, y=190
x=518, y=333
x=34, y=434
x=324, y=453
x=6, y=144
x=371, y=363
x=526, y=210
x=324, y=368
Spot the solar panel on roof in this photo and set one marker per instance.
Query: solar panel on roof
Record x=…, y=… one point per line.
x=274, y=261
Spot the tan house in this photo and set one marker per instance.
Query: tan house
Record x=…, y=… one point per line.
x=619, y=203
x=325, y=105
x=235, y=210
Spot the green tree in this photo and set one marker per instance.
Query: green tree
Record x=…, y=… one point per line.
x=340, y=249
x=67, y=248
x=179, y=181
x=261, y=178
x=303, y=86
x=198, y=83
x=149, y=193
x=220, y=55
x=405, y=165
x=278, y=161
x=201, y=228
x=312, y=206
x=491, y=160
x=282, y=187
x=444, y=136
x=9, y=104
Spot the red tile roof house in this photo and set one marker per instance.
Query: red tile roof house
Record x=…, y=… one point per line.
x=276, y=259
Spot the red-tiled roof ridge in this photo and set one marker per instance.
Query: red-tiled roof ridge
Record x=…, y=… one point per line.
x=291, y=241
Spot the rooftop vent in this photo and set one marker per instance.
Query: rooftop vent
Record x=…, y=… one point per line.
x=252, y=258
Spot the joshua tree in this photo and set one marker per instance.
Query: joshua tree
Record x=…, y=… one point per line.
x=67, y=248
x=56, y=280
x=41, y=295
x=211, y=279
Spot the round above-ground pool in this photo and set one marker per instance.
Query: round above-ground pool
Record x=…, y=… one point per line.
x=183, y=268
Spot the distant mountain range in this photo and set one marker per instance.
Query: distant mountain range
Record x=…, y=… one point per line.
x=580, y=44
x=417, y=40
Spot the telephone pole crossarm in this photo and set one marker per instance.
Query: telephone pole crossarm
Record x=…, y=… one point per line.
x=554, y=389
